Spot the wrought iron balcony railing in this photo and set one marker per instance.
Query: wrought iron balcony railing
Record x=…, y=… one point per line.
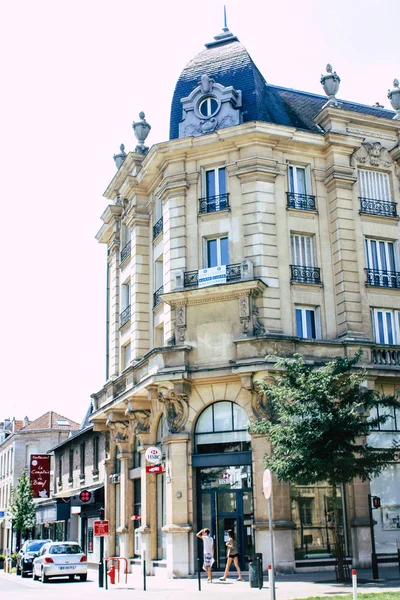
x=158, y=228
x=369, y=206
x=386, y=355
x=300, y=274
x=157, y=296
x=125, y=316
x=386, y=279
x=233, y=273
x=213, y=204
x=301, y=201
x=125, y=252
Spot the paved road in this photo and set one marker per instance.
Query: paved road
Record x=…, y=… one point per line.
x=287, y=587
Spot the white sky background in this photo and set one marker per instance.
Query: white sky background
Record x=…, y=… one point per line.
x=74, y=76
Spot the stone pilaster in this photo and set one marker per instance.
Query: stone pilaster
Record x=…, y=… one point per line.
x=125, y=525
x=114, y=305
x=109, y=505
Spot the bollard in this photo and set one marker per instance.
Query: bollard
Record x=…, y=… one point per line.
x=271, y=580
x=105, y=571
x=354, y=578
x=199, y=574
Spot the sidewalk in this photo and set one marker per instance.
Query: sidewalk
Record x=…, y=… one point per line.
x=297, y=585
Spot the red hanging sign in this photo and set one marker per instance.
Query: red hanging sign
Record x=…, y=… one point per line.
x=40, y=475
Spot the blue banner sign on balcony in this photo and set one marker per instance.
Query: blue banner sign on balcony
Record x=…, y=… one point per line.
x=212, y=276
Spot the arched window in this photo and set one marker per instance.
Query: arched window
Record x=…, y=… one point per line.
x=222, y=427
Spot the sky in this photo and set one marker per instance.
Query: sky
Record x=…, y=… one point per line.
x=75, y=75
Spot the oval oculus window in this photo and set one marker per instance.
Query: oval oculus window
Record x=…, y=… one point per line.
x=208, y=107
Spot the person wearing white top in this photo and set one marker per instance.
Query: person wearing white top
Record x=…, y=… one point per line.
x=208, y=550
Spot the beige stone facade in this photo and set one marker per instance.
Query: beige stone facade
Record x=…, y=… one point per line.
x=183, y=348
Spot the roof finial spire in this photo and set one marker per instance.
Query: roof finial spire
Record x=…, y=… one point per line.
x=225, y=21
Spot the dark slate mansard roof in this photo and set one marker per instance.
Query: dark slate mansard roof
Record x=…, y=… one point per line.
x=228, y=63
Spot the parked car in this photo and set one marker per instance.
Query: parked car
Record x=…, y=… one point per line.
x=25, y=556
x=60, y=559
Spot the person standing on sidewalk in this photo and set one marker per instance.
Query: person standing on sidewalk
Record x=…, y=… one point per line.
x=233, y=555
x=208, y=551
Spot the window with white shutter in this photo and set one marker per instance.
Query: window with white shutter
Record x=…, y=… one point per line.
x=302, y=250
x=376, y=194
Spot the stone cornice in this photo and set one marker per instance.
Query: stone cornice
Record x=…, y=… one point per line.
x=340, y=176
x=338, y=118
x=110, y=216
x=256, y=168
x=214, y=293
x=172, y=186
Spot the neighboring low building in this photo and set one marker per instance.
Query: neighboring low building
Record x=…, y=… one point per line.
x=79, y=467
x=21, y=439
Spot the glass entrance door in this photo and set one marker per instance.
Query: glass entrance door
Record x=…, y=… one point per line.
x=226, y=501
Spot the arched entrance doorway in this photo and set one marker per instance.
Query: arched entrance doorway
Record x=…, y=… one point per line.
x=222, y=457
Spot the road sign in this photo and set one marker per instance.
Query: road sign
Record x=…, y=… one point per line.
x=153, y=455
x=85, y=496
x=100, y=528
x=267, y=484
x=154, y=469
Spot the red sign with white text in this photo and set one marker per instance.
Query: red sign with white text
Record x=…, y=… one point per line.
x=100, y=528
x=154, y=468
x=40, y=475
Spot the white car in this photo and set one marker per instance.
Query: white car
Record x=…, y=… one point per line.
x=60, y=559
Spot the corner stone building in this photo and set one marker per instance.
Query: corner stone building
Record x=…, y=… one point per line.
x=267, y=224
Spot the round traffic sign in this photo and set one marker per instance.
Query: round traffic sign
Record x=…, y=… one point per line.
x=153, y=455
x=267, y=484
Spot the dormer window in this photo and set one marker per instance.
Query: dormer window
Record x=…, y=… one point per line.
x=208, y=107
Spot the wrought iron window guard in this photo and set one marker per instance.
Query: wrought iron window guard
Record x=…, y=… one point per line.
x=301, y=201
x=125, y=316
x=369, y=206
x=300, y=274
x=157, y=296
x=233, y=273
x=386, y=279
x=158, y=228
x=212, y=204
x=385, y=355
x=125, y=252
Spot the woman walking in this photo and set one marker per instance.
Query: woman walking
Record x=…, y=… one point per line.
x=233, y=555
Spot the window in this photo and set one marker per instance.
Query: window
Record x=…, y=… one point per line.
x=159, y=281
x=60, y=469
x=386, y=326
x=217, y=252
x=302, y=250
x=70, y=465
x=208, y=106
x=125, y=295
x=382, y=263
x=374, y=185
x=299, y=180
x=126, y=355
x=82, y=461
x=222, y=427
x=307, y=323
x=305, y=510
x=125, y=242
x=95, y=455
x=214, y=185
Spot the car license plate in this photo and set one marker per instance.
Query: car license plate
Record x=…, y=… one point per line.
x=69, y=568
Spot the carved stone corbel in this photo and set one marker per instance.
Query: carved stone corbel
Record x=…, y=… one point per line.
x=244, y=314
x=176, y=409
x=180, y=323
x=373, y=153
x=259, y=402
x=139, y=420
x=119, y=430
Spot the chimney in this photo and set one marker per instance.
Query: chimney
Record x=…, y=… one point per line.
x=26, y=421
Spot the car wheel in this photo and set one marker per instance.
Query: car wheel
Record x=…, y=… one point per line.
x=83, y=577
x=44, y=577
x=71, y=577
x=34, y=576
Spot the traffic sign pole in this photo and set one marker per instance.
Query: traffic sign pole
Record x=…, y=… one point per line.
x=267, y=489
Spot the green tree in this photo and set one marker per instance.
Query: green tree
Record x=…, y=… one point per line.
x=319, y=422
x=22, y=508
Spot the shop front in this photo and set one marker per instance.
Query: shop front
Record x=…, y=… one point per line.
x=52, y=517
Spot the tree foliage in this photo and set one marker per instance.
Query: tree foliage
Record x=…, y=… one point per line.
x=319, y=422
x=22, y=508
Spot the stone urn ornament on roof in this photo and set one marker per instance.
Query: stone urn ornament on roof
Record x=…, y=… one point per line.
x=331, y=83
x=394, y=97
x=141, y=129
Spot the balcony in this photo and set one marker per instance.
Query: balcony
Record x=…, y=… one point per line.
x=368, y=206
x=213, y=204
x=158, y=228
x=157, y=296
x=309, y=275
x=386, y=355
x=301, y=201
x=233, y=273
x=125, y=316
x=125, y=252
x=385, y=279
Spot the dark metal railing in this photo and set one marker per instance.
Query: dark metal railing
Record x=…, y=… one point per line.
x=157, y=296
x=233, y=273
x=157, y=228
x=379, y=278
x=385, y=355
x=300, y=274
x=370, y=206
x=125, y=252
x=301, y=201
x=213, y=204
x=125, y=316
